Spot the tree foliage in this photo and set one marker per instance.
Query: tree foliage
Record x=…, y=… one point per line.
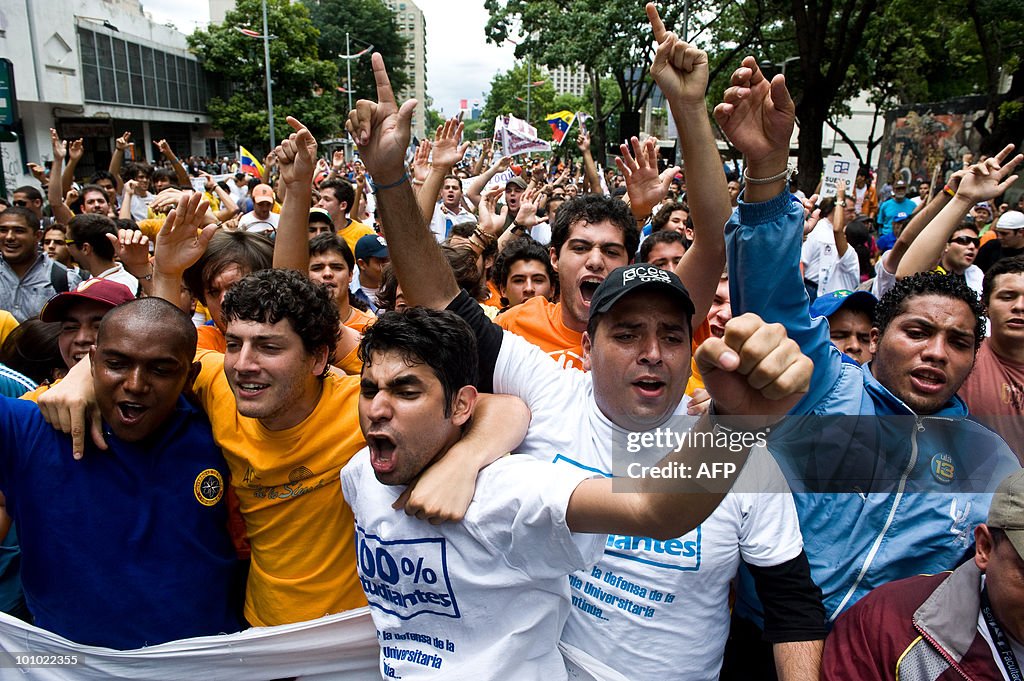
x=303, y=84
x=606, y=37
x=508, y=94
x=367, y=22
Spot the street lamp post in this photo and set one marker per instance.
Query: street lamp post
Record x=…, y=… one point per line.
x=270, y=90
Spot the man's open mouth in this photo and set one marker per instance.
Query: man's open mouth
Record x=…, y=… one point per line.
x=131, y=412
x=588, y=287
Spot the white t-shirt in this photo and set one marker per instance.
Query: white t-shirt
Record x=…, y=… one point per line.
x=439, y=221
x=482, y=599
x=119, y=274
x=822, y=263
x=648, y=600
x=250, y=223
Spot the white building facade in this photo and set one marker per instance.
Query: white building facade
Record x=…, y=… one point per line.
x=93, y=69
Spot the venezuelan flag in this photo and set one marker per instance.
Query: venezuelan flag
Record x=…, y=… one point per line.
x=249, y=163
x=560, y=123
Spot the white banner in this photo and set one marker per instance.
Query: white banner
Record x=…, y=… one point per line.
x=340, y=647
x=838, y=168
x=516, y=136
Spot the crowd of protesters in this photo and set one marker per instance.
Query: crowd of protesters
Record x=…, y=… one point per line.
x=291, y=396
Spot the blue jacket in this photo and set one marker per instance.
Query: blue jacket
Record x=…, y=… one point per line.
x=882, y=493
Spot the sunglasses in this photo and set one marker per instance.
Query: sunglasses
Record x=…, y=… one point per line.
x=21, y=203
x=70, y=242
x=964, y=240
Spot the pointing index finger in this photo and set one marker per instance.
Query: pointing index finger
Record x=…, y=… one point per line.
x=656, y=23
x=380, y=75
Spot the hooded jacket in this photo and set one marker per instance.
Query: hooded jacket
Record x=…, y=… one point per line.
x=882, y=493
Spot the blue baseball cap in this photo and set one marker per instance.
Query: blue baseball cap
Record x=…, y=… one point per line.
x=826, y=305
x=371, y=246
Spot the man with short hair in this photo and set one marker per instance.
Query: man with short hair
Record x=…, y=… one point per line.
x=337, y=198
x=55, y=245
x=523, y=270
x=147, y=516
x=525, y=530
x=261, y=220
x=637, y=346
x=27, y=277
x=961, y=624
x=892, y=208
x=913, y=432
x=663, y=249
x=29, y=197
x=448, y=211
x=90, y=245
x=994, y=390
x=371, y=253
x=331, y=264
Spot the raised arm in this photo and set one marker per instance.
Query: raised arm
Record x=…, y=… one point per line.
x=763, y=237
x=296, y=158
x=179, y=168
x=918, y=221
x=75, y=151
x=589, y=167
x=752, y=353
x=120, y=144
x=382, y=130
x=179, y=244
x=54, y=192
x=681, y=71
x=838, y=219
x=982, y=182
x=448, y=150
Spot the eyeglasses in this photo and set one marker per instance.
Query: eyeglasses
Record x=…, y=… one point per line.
x=964, y=240
x=20, y=202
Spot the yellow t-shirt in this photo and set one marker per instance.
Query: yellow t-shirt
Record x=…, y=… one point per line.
x=7, y=324
x=289, y=487
x=354, y=232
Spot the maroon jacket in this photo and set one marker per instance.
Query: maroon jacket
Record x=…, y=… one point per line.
x=918, y=629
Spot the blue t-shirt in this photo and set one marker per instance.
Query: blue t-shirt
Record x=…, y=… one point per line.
x=125, y=548
x=891, y=210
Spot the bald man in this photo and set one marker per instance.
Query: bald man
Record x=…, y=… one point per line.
x=129, y=547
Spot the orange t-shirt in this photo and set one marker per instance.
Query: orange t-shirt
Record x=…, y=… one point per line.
x=539, y=321
x=494, y=300
x=360, y=319
x=211, y=338
x=700, y=334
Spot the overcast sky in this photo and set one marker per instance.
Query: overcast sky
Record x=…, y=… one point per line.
x=460, y=63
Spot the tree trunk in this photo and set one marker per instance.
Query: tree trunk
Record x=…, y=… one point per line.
x=811, y=114
x=599, y=134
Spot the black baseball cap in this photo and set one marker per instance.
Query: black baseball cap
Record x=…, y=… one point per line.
x=629, y=278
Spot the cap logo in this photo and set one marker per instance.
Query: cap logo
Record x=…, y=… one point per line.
x=382, y=242
x=645, y=275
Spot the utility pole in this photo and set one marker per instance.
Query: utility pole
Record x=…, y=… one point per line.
x=270, y=95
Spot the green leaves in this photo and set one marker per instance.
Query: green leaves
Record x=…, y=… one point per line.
x=236, y=63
